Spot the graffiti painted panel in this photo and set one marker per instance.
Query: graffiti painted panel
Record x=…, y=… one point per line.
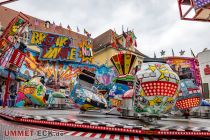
x=156, y=89
x=186, y=68
x=56, y=47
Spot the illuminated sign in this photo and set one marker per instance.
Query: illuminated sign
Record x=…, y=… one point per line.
x=207, y=70
x=57, y=47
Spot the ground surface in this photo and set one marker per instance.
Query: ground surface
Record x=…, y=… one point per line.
x=6, y=125
x=96, y=116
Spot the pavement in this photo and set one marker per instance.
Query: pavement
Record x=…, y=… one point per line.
x=97, y=116
x=97, y=119
x=41, y=133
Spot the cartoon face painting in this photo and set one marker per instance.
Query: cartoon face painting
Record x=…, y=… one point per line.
x=33, y=90
x=156, y=89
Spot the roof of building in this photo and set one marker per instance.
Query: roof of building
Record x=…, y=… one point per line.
x=102, y=40
x=105, y=39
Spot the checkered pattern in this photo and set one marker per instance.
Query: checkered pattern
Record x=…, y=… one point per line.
x=14, y=114
x=200, y=3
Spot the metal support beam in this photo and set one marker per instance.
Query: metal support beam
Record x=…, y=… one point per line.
x=7, y=1
x=186, y=12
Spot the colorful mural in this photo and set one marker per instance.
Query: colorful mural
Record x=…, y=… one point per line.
x=57, y=74
x=11, y=34
x=60, y=48
x=85, y=95
x=156, y=88
x=58, y=61
x=123, y=63
x=186, y=68
x=33, y=92
x=105, y=75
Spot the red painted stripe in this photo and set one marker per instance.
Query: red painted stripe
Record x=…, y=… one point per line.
x=121, y=137
x=93, y=135
x=112, y=136
x=83, y=134
x=141, y=138
x=65, y=133
x=131, y=137
x=102, y=135
x=73, y=134
x=150, y=138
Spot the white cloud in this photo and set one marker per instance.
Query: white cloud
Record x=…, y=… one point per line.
x=157, y=24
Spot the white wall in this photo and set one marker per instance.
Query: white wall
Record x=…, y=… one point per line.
x=204, y=59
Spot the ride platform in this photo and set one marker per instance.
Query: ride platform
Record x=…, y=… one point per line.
x=94, y=121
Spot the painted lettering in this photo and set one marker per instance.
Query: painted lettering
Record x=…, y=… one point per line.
x=52, y=53
x=56, y=47
x=72, y=54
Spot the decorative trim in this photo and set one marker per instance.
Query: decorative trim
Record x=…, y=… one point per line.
x=105, y=126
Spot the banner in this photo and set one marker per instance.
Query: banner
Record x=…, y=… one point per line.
x=56, y=47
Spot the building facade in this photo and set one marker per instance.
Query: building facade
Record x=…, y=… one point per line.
x=204, y=65
x=103, y=49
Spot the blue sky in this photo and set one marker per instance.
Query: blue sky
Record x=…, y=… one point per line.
x=156, y=23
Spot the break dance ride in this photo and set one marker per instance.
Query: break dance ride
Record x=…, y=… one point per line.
x=148, y=96
x=156, y=90
x=189, y=97
x=121, y=93
x=190, y=94
x=85, y=95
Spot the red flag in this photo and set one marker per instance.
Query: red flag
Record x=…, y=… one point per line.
x=128, y=41
x=131, y=40
x=114, y=43
x=135, y=44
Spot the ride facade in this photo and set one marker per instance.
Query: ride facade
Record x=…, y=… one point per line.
x=156, y=88
x=190, y=94
x=85, y=94
x=123, y=83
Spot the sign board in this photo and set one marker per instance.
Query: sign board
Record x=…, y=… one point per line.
x=56, y=47
x=16, y=60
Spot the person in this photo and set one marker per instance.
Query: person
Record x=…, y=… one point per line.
x=1, y=92
x=137, y=68
x=187, y=113
x=12, y=91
